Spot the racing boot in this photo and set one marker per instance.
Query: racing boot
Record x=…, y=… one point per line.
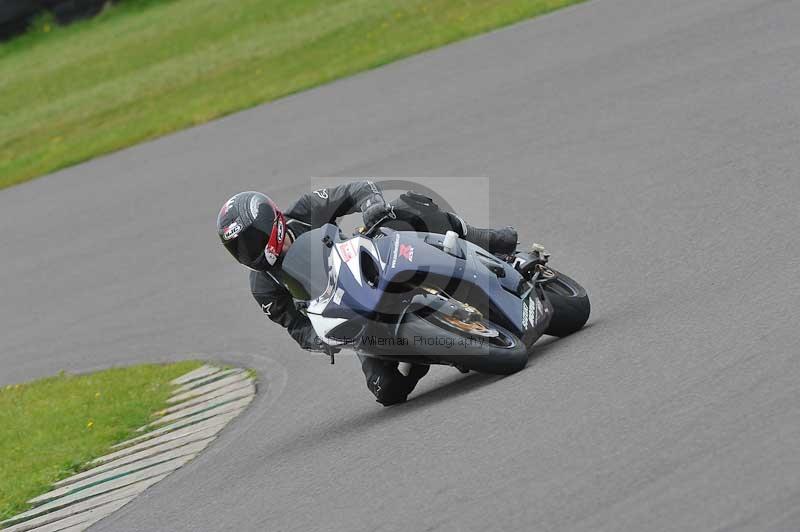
x=389, y=385
x=500, y=241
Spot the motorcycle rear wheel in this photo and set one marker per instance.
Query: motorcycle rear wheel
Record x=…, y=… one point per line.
x=570, y=303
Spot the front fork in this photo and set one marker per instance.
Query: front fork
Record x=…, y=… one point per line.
x=532, y=265
x=537, y=309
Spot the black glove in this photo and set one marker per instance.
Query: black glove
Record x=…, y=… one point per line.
x=375, y=212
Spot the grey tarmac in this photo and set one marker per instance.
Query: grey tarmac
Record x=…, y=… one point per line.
x=651, y=146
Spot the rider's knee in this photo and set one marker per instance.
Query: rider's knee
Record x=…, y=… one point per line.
x=386, y=383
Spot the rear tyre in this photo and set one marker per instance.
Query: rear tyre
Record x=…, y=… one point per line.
x=570, y=305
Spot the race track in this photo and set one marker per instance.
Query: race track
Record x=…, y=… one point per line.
x=653, y=146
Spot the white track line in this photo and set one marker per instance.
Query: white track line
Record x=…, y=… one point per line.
x=82, y=520
x=246, y=383
x=230, y=407
x=204, y=390
x=49, y=517
x=204, y=406
x=110, y=485
x=199, y=373
x=195, y=431
x=199, y=413
x=124, y=469
x=205, y=380
x=141, y=454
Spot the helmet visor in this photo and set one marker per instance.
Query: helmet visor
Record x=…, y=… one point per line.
x=248, y=246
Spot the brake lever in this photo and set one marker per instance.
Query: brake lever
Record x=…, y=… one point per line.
x=368, y=232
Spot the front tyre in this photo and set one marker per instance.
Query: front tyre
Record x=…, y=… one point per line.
x=485, y=347
x=570, y=305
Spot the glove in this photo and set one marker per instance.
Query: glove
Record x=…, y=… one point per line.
x=375, y=212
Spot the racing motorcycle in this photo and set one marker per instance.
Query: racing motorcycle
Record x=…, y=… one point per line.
x=427, y=298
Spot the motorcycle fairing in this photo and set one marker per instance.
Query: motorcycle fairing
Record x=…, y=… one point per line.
x=329, y=274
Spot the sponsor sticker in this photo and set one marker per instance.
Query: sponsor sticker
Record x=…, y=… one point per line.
x=524, y=315
x=280, y=230
x=533, y=311
x=346, y=251
x=407, y=252
x=337, y=297
x=322, y=193
x=232, y=230
x=395, y=249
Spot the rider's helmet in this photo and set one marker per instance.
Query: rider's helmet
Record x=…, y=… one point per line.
x=252, y=229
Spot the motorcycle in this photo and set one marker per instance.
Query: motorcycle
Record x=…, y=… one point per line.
x=427, y=298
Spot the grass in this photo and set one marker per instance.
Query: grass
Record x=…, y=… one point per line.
x=145, y=68
x=50, y=427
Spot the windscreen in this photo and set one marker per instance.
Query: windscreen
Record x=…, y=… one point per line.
x=305, y=265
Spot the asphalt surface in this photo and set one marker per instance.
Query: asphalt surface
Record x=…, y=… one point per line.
x=652, y=145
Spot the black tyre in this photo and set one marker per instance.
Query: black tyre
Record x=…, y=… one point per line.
x=501, y=354
x=570, y=305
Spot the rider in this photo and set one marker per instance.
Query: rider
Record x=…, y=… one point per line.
x=257, y=233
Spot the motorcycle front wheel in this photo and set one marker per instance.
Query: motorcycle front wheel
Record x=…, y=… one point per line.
x=478, y=346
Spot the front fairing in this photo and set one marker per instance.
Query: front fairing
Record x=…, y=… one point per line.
x=368, y=283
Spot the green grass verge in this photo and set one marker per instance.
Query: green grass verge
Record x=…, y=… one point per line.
x=145, y=68
x=50, y=427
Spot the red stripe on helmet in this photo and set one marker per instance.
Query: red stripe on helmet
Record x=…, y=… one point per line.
x=276, y=237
